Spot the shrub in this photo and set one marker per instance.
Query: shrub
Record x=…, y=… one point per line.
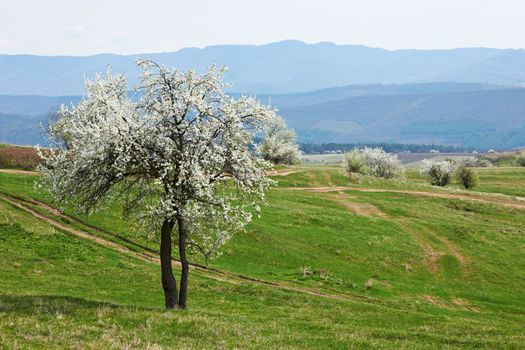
x=500, y=158
x=279, y=145
x=484, y=163
x=354, y=162
x=473, y=162
x=470, y=162
x=438, y=172
x=382, y=164
x=16, y=157
x=466, y=176
x=520, y=159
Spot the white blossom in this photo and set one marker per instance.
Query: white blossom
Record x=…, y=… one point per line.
x=439, y=172
x=382, y=164
x=179, y=149
x=280, y=143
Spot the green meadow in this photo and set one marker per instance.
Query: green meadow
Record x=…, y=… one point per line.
x=331, y=262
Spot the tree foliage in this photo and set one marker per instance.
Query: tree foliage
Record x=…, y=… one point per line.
x=374, y=162
x=439, y=172
x=279, y=145
x=354, y=162
x=466, y=175
x=383, y=164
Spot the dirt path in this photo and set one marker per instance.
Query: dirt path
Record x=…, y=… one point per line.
x=19, y=172
x=82, y=234
x=507, y=202
x=451, y=247
x=425, y=238
x=148, y=256
x=359, y=208
x=431, y=255
x=284, y=172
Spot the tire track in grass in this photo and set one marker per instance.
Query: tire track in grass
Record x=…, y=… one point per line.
x=430, y=253
x=152, y=257
x=19, y=172
x=419, y=233
x=506, y=201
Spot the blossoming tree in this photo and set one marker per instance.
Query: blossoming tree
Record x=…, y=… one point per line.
x=373, y=162
x=279, y=145
x=439, y=172
x=180, y=155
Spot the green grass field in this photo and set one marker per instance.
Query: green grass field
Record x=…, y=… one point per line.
x=367, y=264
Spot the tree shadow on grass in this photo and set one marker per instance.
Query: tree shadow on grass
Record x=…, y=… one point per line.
x=53, y=304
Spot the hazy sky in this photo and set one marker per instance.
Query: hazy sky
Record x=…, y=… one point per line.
x=81, y=27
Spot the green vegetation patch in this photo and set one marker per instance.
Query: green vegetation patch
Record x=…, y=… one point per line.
x=415, y=272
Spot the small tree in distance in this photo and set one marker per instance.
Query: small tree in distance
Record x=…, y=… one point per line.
x=383, y=164
x=354, y=162
x=520, y=158
x=373, y=162
x=439, y=172
x=280, y=143
x=181, y=157
x=466, y=175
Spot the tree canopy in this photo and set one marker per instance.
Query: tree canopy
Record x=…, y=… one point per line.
x=180, y=153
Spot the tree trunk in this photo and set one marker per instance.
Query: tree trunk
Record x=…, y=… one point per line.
x=168, y=280
x=184, y=262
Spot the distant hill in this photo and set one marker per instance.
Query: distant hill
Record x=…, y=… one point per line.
x=33, y=104
x=474, y=115
x=481, y=119
x=19, y=129
x=282, y=67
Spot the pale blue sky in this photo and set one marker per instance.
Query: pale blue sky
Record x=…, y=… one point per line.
x=81, y=27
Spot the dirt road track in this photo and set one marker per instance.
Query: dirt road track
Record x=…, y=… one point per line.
x=507, y=201
x=19, y=172
x=148, y=256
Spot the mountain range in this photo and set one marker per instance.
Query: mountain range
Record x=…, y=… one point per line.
x=326, y=92
x=475, y=115
x=282, y=67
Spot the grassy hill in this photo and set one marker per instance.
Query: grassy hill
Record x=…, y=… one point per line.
x=336, y=265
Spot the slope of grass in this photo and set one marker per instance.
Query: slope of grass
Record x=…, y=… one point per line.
x=510, y=180
x=441, y=273
x=61, y=292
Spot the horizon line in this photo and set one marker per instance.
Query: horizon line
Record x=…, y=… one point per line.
x=268, y=44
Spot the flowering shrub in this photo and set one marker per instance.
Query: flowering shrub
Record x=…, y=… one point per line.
x=354, y=162
x=382, y=164
x=473, y=162
x=484, y=163
x=470, y=162
x=439, y=172
x=280, y=143
x=373, y=162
